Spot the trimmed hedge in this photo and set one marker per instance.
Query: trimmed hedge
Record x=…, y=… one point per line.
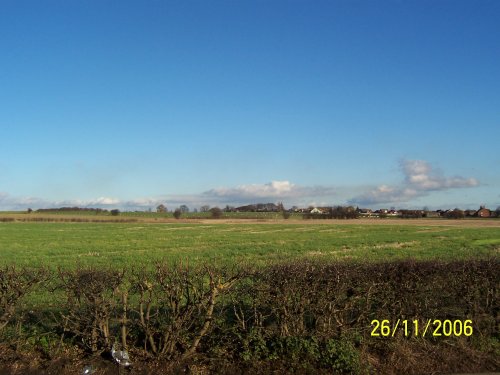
x=307, y=316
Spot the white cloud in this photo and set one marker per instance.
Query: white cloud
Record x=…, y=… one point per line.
x=274, y=190
x=419, y=180
x=420, y=175
x=106, y=201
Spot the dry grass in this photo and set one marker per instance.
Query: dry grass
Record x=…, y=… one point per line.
x=396, y=245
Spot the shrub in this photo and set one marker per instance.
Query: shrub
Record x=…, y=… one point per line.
x=341, y=356
x=216, y=212
x=115, y=212
x=340, y=212
x=14, y=285
x=455, y=214
x=91, y=297
x=177, y=213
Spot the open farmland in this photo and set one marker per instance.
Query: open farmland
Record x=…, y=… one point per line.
x=228, y=295
x=123, y=244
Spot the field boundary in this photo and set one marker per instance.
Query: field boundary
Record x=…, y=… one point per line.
x=34, y=217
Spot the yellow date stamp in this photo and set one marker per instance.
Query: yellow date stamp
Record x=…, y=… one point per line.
x=418, y=328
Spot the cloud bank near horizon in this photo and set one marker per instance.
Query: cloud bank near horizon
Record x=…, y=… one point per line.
x=273, y=191
x=420, y=179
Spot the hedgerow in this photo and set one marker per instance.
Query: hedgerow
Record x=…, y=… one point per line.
x=307, y=316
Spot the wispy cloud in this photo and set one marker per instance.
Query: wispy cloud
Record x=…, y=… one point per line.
x=419, y=180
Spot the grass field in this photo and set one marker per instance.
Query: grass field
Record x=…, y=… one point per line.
x=122, y=244
x=296, y=298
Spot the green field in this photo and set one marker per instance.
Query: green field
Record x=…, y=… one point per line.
x=124, y=244
x=315, y=314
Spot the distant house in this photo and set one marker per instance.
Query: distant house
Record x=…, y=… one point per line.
x=316, y=210
x=365, y=211
x=483, y=212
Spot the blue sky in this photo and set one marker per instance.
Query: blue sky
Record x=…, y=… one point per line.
x=134, y=103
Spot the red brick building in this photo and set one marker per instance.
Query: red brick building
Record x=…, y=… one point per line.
x=483, y=212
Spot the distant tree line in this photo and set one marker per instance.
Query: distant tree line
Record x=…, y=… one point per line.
x=455, y=214
x=411, y=214
x=334, y=212
x=416, y=214
x=260, y=207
